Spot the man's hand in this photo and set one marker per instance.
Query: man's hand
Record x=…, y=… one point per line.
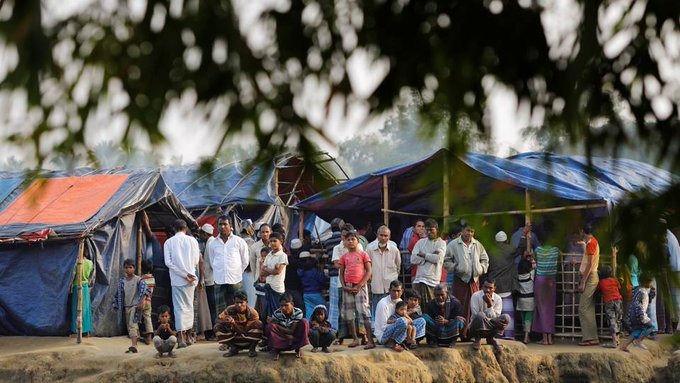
x=190, y=278
x=421, y=254
x=582, y=285
x=488, y=298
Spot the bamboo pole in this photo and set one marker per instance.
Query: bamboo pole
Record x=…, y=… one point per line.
x=79, y=283
x=445, y=194
x=301, y=225
x=527, y=218
x=386, y=202
x=538, y=211
x=139, y=250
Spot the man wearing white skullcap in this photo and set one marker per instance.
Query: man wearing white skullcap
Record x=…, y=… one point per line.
x=502, y=269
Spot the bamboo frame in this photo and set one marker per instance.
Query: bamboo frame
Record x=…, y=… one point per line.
x=541, y=210
x=139, y=250
x=79, y=283
x=386, y=201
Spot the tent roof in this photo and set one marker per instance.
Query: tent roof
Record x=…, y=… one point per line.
x=74, y=205
x=564, y=177
x=243, y=184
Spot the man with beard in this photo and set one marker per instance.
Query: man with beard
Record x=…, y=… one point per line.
x=444, y=318
x=428, y=255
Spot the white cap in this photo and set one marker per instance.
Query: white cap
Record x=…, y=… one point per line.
x=295, y=244
x=246, y=223
x=305, y=254
x=501, y=236
x=208, y=228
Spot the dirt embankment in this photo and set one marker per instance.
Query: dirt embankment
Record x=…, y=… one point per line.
x=102, y=359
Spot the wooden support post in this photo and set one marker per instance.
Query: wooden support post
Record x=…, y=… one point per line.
x=139, y=250
x=386, y=202
x=301, y=224
x=79, y=284
x=445, y=194
x=527, y=217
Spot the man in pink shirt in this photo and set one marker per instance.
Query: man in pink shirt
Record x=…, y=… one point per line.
x=355, y=271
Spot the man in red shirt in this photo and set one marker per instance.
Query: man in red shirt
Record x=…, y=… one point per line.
x=355, y=271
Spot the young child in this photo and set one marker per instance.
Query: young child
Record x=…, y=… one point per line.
x=413, y=309
x=613, y=302
x=313, y=281
x=147, y=277
x=525, y=301
x=640, y=323
x=321, y=333
x=165, y=338
x=400, y=311
x=130, y=296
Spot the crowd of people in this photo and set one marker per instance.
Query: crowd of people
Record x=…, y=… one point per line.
x=258, y=291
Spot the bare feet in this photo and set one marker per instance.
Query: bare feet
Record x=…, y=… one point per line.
x=315, y=349
x=298, y=353
x=369, y=346
x=356, y=343
x=397, y=347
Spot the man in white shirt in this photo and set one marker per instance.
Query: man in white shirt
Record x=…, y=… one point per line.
x=487, y=318
x=428, y=255
x=182, y=255
x=467, y=260
x=228, y=255
x=386, y=264
x=257, y=300
x=385, y=308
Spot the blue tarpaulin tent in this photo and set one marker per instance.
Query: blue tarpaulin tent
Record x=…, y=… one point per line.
x=41, y=227
x=564, y=179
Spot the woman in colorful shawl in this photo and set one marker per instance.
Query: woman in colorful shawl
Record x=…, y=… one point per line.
x=287, y=329
x=545, y=292
x=88, y=268
x=239, y=326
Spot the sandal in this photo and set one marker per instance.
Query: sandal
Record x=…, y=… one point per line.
x=397, y=347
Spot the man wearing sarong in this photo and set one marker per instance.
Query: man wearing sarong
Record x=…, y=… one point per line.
x=287, y=328
x=239, y=327
x=428, y=255
x=487, y=318
x=466, y=258
x=182, y=254
x=444, y=318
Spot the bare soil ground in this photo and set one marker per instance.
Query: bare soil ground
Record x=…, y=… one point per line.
x=51, y=359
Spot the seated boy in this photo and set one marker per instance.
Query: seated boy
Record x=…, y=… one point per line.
x=165, y=338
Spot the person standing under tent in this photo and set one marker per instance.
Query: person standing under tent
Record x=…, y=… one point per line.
x=386, y=264
x=502, y=269
x=256, y=298
x=468, y=260
x=229, y=257
x=182, y=255
x=545, y=291
x=88, y=269
x=428, y=254
x=355, y=272
x=587, y=287
x=338, y=251
x=273, y=269
x=673, y=248
x=205, y=238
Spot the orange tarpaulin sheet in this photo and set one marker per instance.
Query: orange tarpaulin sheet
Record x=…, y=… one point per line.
x=64, y=200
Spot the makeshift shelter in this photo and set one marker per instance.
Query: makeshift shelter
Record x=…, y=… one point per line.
x=259, y=191
x=47, y=225
x=451, y=187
